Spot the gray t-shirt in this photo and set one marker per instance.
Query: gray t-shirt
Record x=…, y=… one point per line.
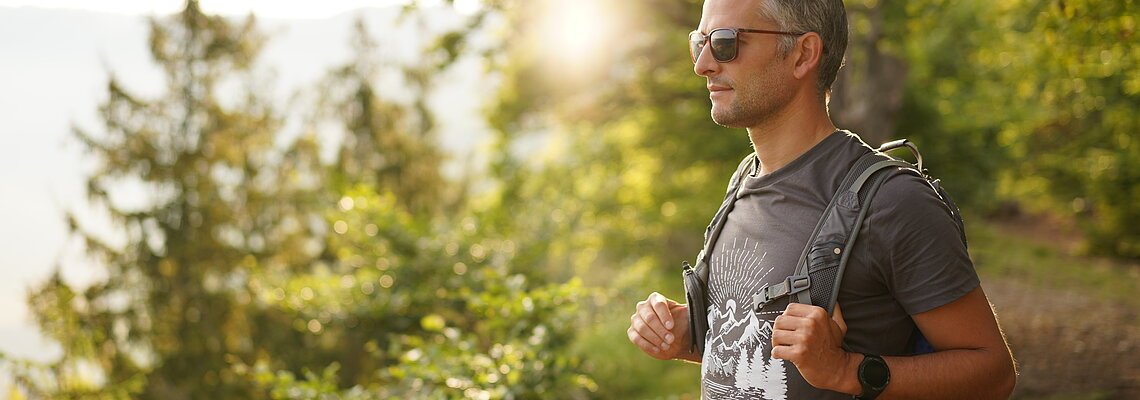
x=909, y=259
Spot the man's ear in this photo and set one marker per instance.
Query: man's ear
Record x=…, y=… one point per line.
x=808, y=52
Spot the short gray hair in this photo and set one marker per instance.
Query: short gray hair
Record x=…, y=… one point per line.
x=828, y=18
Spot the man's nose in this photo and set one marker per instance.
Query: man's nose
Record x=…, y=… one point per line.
x=705, y=64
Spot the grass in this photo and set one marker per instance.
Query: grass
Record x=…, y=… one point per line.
x=1071, y=320
x=1008, y=255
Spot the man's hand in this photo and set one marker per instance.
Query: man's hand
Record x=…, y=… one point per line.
x=805, y=335
x=660, y=328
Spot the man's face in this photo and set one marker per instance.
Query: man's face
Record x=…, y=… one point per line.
x=750, y=89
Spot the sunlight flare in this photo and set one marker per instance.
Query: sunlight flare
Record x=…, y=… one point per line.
x=576, y=32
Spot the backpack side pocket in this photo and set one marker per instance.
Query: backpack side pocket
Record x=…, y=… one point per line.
x=698, y=308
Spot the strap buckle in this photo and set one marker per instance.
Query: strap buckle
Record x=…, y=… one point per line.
x=791, y=285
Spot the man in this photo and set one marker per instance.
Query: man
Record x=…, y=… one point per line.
x=769, y=65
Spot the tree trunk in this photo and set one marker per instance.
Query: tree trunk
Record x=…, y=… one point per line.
x=868, y=92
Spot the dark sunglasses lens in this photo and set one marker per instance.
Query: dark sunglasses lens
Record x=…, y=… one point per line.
x=723, y=42
x=696, y=42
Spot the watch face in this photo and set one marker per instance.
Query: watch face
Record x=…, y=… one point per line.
x=875, y=373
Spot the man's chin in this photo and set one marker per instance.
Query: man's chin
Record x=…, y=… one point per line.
x=727, y=121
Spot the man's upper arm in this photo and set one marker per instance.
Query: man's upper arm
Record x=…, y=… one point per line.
x=931, y=274
x=965, y=323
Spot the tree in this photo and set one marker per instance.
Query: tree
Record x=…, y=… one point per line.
x=1029, y=104
x=386, y=144
x=1073, y=66
x=868, y=93
x=222, y=201
x=254, y=263
x=421, y=295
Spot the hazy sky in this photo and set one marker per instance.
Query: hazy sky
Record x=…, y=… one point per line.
x=287, y=9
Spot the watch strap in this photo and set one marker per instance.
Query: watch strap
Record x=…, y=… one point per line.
x=872, y=386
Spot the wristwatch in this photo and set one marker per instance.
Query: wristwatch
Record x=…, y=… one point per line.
x=873, y=376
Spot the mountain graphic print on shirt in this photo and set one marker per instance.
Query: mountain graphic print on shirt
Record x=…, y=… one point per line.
x=737, y=360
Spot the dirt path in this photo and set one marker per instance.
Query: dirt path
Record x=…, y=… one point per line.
x=1068, y=344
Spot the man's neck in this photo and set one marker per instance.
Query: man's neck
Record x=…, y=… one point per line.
x=785, y=137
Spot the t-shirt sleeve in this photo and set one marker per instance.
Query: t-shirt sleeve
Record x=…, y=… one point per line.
x=925, y=264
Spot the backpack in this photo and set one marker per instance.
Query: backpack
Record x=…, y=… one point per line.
x=820, y=268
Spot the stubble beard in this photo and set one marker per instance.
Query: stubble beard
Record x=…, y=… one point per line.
x=750, y=106
x=756, y=99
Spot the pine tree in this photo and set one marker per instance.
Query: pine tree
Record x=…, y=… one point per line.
x=221, y=202
x=387, y=144
x=777, y=386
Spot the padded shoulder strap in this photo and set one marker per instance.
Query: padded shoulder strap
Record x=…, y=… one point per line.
x=712, y=232
x=696, y=278
x=820, y=267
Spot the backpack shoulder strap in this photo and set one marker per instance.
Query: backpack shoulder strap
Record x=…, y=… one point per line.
x=935, y=184
x=712, y=232
x=820, y=267
x=696, y=278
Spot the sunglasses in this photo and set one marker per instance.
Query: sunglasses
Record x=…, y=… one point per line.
x=724, y=43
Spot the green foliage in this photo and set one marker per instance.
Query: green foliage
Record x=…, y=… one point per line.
x=218, y=196
x=386, y=143
x=620, y=194
x=1081, y=143
x=948, y=106
x=1032, y=102
x=255, y=270
x=434, y=314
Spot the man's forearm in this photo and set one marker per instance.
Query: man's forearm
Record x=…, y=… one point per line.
x=950, y=374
